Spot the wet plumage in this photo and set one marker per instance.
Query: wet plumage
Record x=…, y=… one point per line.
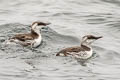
x=83, y=51
x=33, y=38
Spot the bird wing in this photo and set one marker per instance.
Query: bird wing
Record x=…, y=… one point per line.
x=23, y=37
x=70, y=51
x=73, y=49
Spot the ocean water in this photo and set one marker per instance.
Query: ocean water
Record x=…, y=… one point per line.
x=70, y=20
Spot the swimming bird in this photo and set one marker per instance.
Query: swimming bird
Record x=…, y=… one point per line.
x=84, y=51
x=33, y=38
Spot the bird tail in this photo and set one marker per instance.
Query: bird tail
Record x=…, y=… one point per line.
x=58, y=54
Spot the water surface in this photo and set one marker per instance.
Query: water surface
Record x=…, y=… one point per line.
x=71, y=19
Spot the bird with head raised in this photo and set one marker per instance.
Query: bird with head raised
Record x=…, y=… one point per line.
x=84, y=51
x=33, y=38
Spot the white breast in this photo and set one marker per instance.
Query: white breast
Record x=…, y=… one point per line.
x=89, y=53
x=37, y=41
x=83, y=54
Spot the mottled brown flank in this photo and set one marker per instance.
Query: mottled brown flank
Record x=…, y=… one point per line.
x=29, y=36
x=25, y=44
x=73, y=49
x=24, y=37
x=40, y=23
x=67, y=51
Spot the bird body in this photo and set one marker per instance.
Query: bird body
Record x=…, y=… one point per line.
x=84, y=51
x=33, y=38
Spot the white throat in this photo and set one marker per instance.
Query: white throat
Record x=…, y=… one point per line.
x=36, y=28
x=86, y=44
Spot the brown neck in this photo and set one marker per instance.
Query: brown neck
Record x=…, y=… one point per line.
x=85, y=47
x=34, y=34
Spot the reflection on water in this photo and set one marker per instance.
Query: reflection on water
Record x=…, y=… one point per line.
x=71, y=19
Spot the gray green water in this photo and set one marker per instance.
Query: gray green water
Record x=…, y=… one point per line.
x=71, y=19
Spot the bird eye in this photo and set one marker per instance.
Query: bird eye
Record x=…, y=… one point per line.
x=43, y=28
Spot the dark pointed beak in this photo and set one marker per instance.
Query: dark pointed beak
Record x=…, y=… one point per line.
x=48, y=23
x=46, y=26
x=99, y=37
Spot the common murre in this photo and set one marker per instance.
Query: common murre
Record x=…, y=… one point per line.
x=84, y=51
x=33, y=38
